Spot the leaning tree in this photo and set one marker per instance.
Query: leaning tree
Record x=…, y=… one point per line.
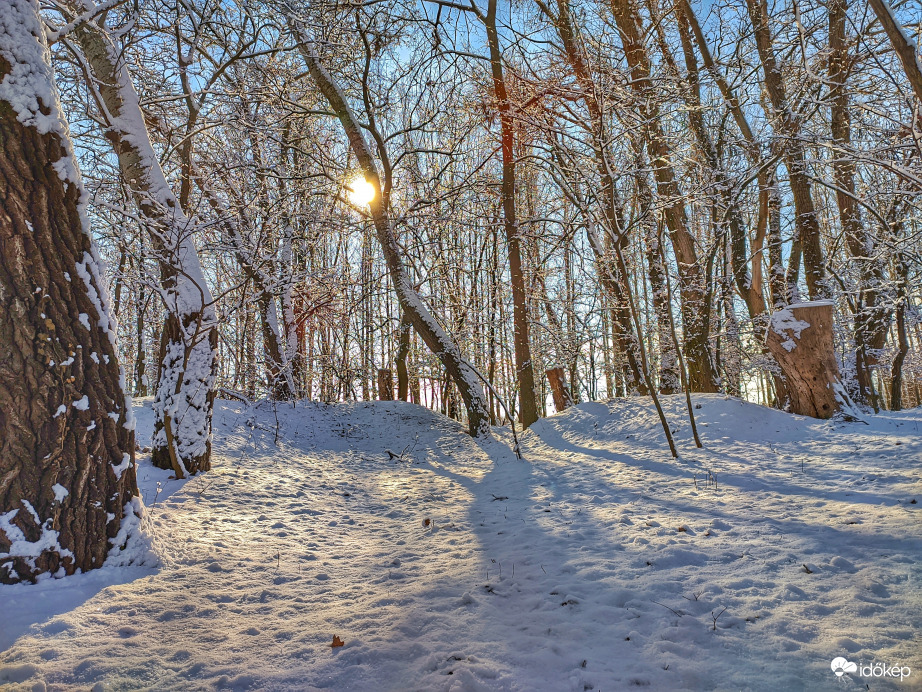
x=67, y=475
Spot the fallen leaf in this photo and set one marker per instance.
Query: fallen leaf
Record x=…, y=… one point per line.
x=681, y=528
x=337, y=642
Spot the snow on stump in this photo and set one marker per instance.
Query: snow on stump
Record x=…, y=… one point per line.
x=559, y=389
x=800, y=338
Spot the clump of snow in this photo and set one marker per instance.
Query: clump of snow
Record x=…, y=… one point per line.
x=598, y=562
x=60, y=492
x=782, y=322
x=22, y=547
x=120, y=469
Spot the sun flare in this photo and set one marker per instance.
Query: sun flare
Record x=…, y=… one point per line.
x=361, y=192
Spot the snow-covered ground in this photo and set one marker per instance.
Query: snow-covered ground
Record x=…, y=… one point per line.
x=597, y=563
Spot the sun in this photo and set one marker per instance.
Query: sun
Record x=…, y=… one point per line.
x=362, y=191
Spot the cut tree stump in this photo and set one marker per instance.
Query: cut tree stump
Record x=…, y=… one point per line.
x=385, y=385
x=559, y=389
x=801, y=340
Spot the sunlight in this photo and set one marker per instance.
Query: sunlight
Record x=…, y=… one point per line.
x=361, y=192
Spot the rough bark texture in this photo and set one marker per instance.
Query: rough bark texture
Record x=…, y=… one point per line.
x=385, y=384
x=66, y=450
x=559, y=389
x=801, y=339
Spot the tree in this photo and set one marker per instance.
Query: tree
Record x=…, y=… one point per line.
x=185, y=387
x=465, y=377
x=67, y=474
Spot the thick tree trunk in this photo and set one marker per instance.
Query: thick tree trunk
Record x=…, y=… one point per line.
x=67, y=473
x=385, y=384
x=801, y=339
x=403, y=351
x=185, y=390
x=559, y=389
x=435, y=338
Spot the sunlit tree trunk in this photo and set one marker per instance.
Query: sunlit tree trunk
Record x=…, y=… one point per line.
x=188, y=351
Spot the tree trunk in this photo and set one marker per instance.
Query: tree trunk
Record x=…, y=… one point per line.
x=801, y=339
x=692, y=285
x=872, y=319
x=559, y=389
x=787, y=125
x=185, y=391
x=435, y=338
x=525, y=376
x=403, y=351
x=385, y=384
x=67, y=473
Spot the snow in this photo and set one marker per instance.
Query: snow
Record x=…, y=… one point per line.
x=60, y=492
x=783, y=321
x=598, y=562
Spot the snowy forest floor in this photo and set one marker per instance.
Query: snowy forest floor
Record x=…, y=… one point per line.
x=597, y=563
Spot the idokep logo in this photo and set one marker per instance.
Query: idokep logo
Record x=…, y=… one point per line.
x=840, y=666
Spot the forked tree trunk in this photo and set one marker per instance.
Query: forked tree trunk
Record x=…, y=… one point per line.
x=787, y=125
x=801, y=339
x=693, y=290
x=872, y=318
x=185, y=390
x=67, y=474
x=436, y=339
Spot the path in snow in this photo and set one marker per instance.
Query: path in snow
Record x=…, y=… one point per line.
x=598, y=563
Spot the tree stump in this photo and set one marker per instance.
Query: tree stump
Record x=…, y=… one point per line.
x=801, y=340
x=385, y=385
x=559, y=389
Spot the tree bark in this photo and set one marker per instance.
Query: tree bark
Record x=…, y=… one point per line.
x=801, y=339
x=559, y=389
x=872, y=319
x=67, y=473
x=525, y=376
x=385, y=384
x=692, y=286
x=185, y=390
